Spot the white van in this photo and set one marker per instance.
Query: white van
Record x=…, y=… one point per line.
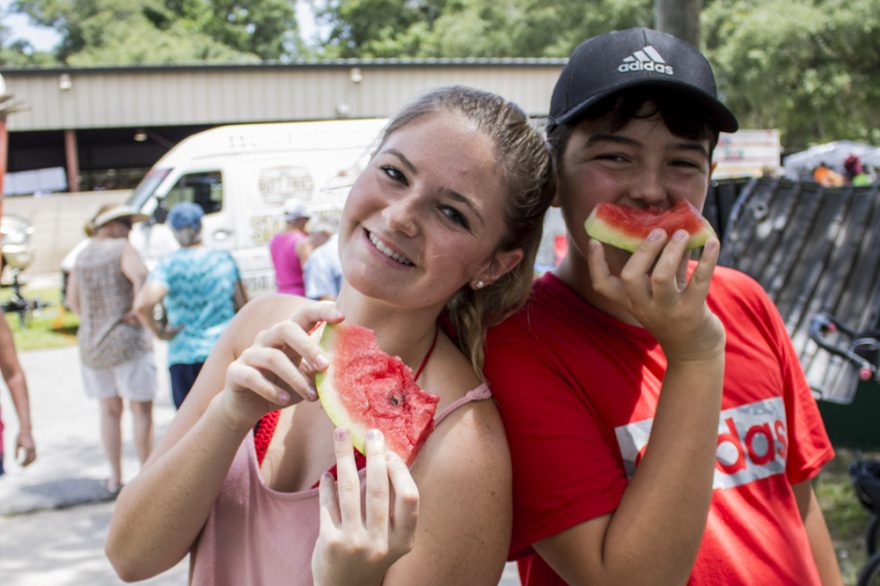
x=241, y=175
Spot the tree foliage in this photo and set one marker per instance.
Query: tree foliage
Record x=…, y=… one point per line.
x=810, y=68
x=109, y=32
x=807, y=67
x=470, y=28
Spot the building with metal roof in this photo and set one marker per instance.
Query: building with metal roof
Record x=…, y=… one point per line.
x=106, y=125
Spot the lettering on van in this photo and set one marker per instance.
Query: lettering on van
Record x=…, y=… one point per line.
x=277, y=184
x=263, y=228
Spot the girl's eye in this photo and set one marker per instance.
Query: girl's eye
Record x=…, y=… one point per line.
x=456, y=216
x=394, y=173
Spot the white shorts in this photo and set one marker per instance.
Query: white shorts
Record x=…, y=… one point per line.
x=134, y=379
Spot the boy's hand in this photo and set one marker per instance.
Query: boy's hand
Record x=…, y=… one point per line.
x=653, y=288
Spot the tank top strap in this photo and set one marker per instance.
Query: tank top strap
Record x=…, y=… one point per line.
x=479, y=393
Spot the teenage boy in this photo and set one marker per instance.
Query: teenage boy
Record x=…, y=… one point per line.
x=588, y=370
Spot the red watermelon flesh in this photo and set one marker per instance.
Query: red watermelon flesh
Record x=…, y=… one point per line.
x=365, y=388
x=626, y=227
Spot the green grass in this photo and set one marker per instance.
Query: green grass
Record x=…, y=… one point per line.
x=50, y=326
x=847, y=519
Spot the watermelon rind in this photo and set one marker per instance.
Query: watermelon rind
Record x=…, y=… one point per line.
x=605, y=232
x=329, y=395
x=365, y=388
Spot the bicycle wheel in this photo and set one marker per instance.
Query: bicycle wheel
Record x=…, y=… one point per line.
x=870, y=574
x=872, y=536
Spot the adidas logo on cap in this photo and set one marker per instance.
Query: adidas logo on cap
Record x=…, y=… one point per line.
x=647, y=59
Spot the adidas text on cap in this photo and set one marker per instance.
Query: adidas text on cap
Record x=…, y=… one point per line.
x=636, y=57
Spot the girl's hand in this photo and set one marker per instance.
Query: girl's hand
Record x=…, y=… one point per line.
x=654, y=289
x=278, y=369
x=358, y=547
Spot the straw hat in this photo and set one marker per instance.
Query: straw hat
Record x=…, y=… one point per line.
x=117, y=213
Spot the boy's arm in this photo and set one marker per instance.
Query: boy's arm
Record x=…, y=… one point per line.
x=655, y=533
x=817, y=533
x=15, y=380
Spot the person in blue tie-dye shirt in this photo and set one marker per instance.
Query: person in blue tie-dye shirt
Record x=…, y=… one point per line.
x=201, y=290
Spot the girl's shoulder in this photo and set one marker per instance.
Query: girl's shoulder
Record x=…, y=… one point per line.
x=448, y=373
x=474, y=426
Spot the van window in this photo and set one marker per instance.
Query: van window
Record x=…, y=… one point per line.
x=204, y=188
x=146, y=187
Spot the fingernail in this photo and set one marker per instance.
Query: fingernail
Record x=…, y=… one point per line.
x=711, y=245
x=341, y=433
x=374, y=435
x=655, y=235
x=321, y=362
x=283, y=398
x=679, y=235
x=312, y=392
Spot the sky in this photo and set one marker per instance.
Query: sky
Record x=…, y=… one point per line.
x=44, y=39
x=19, y=26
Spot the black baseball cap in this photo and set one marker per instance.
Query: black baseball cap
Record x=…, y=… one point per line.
x=636, y=57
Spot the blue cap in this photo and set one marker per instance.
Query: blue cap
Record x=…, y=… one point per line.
x=186, y=215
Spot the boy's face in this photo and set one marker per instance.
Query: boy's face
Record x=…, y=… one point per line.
x=641, y=165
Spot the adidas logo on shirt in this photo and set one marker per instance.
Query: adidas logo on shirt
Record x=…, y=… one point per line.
x=647, y=59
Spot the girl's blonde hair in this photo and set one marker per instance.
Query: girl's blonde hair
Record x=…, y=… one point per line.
x=523, y=156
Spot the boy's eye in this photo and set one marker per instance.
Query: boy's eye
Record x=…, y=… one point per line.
x=455, y=215
x=614, y=157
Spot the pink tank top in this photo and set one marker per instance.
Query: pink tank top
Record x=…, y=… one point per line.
x=288, y=270
x=258, y=536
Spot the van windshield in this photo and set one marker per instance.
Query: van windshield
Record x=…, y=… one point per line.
x=146, y=187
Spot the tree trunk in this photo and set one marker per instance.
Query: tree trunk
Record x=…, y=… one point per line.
x=680, y=18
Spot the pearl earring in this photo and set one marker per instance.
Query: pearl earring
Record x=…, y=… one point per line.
x=479, y=285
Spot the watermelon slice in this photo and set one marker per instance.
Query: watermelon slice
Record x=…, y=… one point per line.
x=365, y=388
x=626, y=227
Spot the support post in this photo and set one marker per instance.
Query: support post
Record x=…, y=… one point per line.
x=72, y=159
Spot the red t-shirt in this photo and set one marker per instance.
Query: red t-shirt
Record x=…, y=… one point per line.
x=578, y=390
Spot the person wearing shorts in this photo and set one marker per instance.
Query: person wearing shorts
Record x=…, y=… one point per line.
x=115, y=350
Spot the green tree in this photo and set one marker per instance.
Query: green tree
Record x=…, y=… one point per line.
x=470, y=28
x=810, y=68
x=109, y=32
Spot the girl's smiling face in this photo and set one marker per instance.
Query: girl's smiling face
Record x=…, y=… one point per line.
x=426, y=216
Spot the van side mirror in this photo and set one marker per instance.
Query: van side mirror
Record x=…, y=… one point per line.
x=160, y=212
